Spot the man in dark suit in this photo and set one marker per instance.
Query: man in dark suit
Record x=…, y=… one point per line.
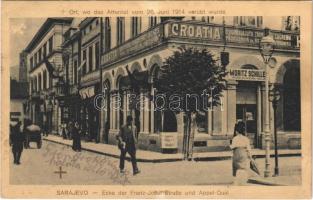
x=126, y=142
x=17, y=139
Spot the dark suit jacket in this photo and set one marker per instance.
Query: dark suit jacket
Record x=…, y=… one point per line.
x=127, y=135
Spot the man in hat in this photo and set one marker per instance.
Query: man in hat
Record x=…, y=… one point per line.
x=17, y=139
x=126, y=143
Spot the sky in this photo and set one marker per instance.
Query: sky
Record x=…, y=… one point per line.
x=22, y=30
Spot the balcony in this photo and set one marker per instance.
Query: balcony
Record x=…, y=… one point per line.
x=90, y=78
x=199, y=33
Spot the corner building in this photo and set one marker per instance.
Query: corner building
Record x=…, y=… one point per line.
x=144, y=43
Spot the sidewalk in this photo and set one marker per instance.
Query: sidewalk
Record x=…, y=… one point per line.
x=150, y=156
x=277, y=181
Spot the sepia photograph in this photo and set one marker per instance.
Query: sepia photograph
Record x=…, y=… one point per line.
x=155, y=100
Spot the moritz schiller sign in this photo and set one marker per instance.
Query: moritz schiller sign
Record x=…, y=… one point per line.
x=247, y=74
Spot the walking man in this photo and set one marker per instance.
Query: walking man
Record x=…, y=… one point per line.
x=17, y=139
x=126, y=143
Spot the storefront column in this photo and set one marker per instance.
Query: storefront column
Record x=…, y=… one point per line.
x=259, y=115
x=141, y=110
x=112, y=125
x=146, y=112
x=125, y=106
x=231, y=106
x=117, y=111
x=152, y=112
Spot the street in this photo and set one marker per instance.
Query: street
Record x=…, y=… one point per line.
x=42, y=166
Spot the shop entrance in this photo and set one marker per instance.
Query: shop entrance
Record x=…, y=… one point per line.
x=247, y=109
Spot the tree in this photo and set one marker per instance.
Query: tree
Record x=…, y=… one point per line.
x=193, y=76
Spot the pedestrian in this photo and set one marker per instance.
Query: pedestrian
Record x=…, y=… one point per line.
x=64, y=130
x=76, y=137
x=241, y=155
x=126, y=143
x=70, y=130
x=17, y=139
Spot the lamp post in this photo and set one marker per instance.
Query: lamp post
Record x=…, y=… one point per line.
x=274, y=97
x=266, y=50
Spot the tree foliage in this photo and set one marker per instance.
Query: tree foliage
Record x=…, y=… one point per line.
x=192, y=72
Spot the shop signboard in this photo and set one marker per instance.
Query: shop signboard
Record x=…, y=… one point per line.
x=169, y=140
x=247, y=74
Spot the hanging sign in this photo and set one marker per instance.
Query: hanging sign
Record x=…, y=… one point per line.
x=247, y=74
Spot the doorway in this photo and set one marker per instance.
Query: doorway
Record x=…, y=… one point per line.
x=248, y=114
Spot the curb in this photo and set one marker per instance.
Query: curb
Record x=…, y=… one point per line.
x=263, y=181
x=159, y=160
x=118, y=156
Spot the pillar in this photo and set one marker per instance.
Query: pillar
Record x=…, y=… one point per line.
x=231, y=106
x=146, y=112
x=152, y=112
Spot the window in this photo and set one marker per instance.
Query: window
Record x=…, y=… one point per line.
x=50, y=44
x=31, y=62
x=75, y=71
x=135, y=26
x=107, y=34
x=44, y=79
x=152, y=21
x=254, y=21
x=84, y=58
x=44, y=50
x=39, y=82
x=291, y=23
x=39, y=57
x=209, y=19
x=97, y=22
x=90, y=27
x=35, y=62
x=97, y=55
x=120, y=30
x=90, y=59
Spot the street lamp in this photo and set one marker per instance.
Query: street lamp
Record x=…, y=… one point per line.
x=266, y=50
x=274, y=97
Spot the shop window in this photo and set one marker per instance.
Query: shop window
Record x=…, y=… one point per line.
x=202, y=122
x=169, y=121
x=120, y=30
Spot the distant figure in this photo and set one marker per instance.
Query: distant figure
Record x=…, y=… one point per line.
x=126, y=143
x=17, y=139
x=76, y=138
x=241, y=154
x=70, y=130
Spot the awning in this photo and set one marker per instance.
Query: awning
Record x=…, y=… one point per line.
x=87, y=92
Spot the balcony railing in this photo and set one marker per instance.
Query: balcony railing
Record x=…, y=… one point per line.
x=202, y=33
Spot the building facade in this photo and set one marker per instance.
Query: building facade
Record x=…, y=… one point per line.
x=46, y=74
x=96, y=52
x=144, y=44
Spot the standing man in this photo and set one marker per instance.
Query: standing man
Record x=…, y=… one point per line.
x=16, y=139
x=126, y=143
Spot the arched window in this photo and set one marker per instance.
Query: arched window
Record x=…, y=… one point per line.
x=291, y=99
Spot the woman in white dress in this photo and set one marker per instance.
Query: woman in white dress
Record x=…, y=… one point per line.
x=241, y=154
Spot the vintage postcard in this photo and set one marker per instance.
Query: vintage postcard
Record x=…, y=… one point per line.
x=156, y=99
